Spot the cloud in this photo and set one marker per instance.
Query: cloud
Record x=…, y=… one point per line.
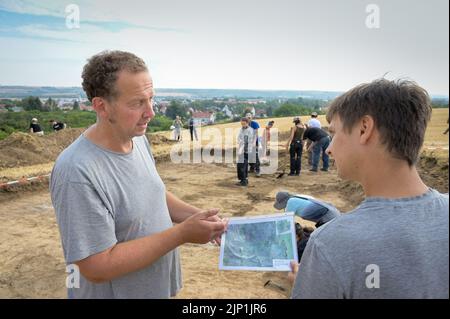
x=48, y=7
x=48, y=27
x=108, y=14
x=295, y=44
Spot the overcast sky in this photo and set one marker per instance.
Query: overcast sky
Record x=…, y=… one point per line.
x=235, y=44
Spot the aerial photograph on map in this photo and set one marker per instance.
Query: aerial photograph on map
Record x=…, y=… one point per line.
x=259, y=244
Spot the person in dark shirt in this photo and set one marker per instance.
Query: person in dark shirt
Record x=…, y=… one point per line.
x=57, y=125
x=302, y=235
x=192, y=129
x=295, y=147
x=35, y=128
x=320, y=140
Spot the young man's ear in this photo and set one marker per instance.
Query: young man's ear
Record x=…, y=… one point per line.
x=366, y=128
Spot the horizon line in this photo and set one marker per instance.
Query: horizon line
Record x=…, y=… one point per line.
x=222, y=89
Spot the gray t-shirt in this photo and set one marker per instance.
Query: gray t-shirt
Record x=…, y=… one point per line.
x=405, y=241
x=245, y=139
x=102, y=198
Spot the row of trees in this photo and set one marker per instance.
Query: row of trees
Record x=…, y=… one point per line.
x=274, y=108
x=20, y=121
x=439, y=103
x=298, y=106
x=31, y=103
x=289, y=109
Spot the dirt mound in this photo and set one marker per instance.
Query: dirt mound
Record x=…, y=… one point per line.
x=351, y=191
x=156, y=139
x=26, y=189
x=22, y=149
x=433, y=169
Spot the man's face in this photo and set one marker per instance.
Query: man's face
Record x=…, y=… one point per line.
x=244, y=124
x=132, y=109
x=344, y=148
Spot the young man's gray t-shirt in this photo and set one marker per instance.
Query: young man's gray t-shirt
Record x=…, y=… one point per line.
x=102, y=198
x=406, y=240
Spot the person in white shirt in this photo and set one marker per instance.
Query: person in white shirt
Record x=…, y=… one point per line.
x=314, y=122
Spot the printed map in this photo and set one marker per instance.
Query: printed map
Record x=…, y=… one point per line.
x=264, y=242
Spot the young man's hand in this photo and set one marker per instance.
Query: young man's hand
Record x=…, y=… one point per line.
x=202, y=227
x=293, y=273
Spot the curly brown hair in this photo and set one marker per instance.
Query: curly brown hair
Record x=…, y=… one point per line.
x=401, y=110
x=101, y=70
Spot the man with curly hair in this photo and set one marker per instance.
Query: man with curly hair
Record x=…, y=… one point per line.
x=114, y=213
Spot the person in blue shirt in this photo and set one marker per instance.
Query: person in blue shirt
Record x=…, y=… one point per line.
x=308, y=208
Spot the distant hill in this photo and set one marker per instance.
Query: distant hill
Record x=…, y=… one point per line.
x=41, y=91
x=247, y=94
x=77, y=92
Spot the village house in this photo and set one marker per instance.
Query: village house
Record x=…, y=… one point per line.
x=260, y=113
x=203, y=118
x=226, y=110
x=17, y=109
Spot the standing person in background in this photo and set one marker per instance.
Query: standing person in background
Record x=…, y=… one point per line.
x=178, y=125
x=245, y=140
x=192, y=129
x=266, y=139
x=295, y=146
x=254, y=165
x=35, y=128
x=313, y=122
